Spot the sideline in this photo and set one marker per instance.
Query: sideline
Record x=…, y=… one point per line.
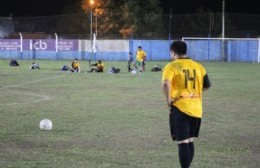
x=40, y=96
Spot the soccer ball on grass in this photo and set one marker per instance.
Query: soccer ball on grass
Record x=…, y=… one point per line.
x=134, y=72
x=45, y=124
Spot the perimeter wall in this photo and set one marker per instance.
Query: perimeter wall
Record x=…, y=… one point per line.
x=117, y=50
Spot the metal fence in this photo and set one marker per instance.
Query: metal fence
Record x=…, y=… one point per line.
x=120, y=26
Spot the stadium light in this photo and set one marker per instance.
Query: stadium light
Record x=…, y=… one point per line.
x=92, y=3
x=223, y=19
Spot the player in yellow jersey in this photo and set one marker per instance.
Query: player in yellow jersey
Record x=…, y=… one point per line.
x=99, y=67
x=140, y=58
x=183, y=81
x=75, y=66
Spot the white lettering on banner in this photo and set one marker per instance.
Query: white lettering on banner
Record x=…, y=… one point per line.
x=38, y=45
x=66, y=45
x=9, y=45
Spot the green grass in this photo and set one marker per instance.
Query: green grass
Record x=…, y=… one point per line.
x=120, y=120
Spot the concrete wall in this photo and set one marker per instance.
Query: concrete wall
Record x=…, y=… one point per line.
x=117, y=50
x=233, y=50
x=242, y=51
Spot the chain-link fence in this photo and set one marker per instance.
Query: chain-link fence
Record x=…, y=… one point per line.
x=123, y=26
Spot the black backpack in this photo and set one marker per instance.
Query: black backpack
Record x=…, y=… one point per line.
x=13, y=63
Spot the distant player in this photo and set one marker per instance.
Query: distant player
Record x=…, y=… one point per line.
x=140, y=58
x=130, y=62
x=183, y=81
x=99, y=67
x=75, y=66
x=35, y=66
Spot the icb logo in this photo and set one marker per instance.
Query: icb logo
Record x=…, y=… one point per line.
x=38, y=45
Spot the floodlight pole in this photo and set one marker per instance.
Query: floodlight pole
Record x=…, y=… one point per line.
x=56, y=42
x=96, y=23
x=91, y=20
x=21, y=45
x=223, y=30
x=56, y=45
x=92, y=3
x=223, y=19
x=21, y=42
x=170, y=24
x=210, y=23
x=170, y=30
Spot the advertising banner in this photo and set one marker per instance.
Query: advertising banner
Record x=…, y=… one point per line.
x=38, y=45
x=9, y=45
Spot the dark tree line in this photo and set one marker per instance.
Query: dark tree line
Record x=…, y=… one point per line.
x=138, y=19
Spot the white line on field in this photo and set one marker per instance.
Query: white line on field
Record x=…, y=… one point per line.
x=40, y=96
x=34, y=81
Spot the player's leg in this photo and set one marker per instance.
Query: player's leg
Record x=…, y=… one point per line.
x=194, y=132
x=182, y=127
x=192, y=149
x=140, y=66
x=184, y=153
x=99, y=70
x=129, y=67
x=171, y=124
x=91, y=70
x=135, y=64
x=143, y=66
x=78, y=70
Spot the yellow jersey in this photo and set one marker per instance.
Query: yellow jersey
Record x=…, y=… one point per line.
x=75, y=64
x=101, y=66
x=140, y=55
x=186, y=77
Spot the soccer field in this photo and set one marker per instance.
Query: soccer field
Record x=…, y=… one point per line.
x=121, y=120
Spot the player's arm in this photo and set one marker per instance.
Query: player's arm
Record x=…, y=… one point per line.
x=206, y=82
x=167, y=77
x=144, y=55
x=166, y=85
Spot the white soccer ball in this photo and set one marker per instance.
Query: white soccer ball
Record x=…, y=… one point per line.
x=45, y=124
x=134, y=72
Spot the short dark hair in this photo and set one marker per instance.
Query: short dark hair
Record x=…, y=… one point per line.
x=179, y=47
x=140, y=47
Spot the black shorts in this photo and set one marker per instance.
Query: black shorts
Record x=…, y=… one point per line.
x=183, y=126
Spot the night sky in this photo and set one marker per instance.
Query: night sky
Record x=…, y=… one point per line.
x=28, y=8
x=232, y=6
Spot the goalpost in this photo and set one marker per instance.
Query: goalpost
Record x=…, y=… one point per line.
x=224, y=49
